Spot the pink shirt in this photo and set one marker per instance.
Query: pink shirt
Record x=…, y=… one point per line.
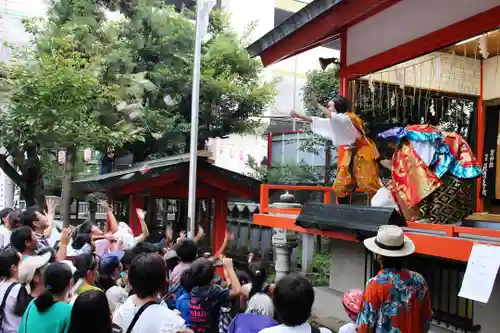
x=177, y=272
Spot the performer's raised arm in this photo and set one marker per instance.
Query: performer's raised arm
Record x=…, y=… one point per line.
x=306, y=118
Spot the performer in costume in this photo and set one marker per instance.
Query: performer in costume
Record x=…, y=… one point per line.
x=356, y=152
x=432, y=174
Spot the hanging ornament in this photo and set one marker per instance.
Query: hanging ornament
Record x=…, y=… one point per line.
x=371, y=84
x=401, y=79
x=87, y=155
x=393, y=99
x=61, y=156
x=432, y=108
x=483, y=46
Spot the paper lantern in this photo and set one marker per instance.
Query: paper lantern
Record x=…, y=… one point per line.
x=61, y=156
x=87, y=155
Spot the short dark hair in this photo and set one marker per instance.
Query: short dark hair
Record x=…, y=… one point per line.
x=80, y=240
x=203, y=271
x=147, y=274
x=28, y=217
x=143, y=247
x=8, y=258
x=341, y=104
x=90, y=313
x=57, y=278
x=5, y=212
x=392, y=262
x=293, y=299
x=187, y=250
x=19, y=237
x=83, y=263
x=187, y=280
x=15, y=219
x=85, y=227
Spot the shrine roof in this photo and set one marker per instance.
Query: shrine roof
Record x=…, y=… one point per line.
x=310, y=12
x=149, y=171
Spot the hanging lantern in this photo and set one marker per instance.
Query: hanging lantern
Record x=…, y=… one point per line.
x=61, y=156
x=87, y=155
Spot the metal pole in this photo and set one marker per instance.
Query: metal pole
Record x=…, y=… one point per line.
x=193, y=150
x=294, y=88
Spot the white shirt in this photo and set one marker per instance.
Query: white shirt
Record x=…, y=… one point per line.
x=4, y=236
x=11, y=322
x=304, y=328
x=349, y=328
x=155, y=319
x=339, y=129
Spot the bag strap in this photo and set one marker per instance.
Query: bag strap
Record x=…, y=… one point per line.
x=7, y=292
x=138, y=314
x=4, y=301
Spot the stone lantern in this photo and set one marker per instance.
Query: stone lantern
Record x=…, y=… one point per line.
x=284, y=240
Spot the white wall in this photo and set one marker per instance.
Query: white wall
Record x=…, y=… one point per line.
x=491, y=78
x=405, y=21
x=232, y=153
x=458, y=74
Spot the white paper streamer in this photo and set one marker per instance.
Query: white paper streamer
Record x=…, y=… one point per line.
x=483, y=46
x=370, y=83
x=432, y=108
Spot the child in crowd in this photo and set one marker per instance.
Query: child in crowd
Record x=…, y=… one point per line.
x=182, y=303
x=351, y=302
x=208, y=298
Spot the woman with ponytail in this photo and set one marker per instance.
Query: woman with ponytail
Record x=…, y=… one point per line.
x=86, y=274
x=50, y=312
x=259, y=311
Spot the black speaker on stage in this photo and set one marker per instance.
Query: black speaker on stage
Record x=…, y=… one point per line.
x=360, y=219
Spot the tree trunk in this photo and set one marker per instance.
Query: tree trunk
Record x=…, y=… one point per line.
x=66, y=197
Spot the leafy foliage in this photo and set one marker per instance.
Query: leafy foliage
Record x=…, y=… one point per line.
x=157, y=43
x=291, y=174
x=322, y=86
x=58, y=98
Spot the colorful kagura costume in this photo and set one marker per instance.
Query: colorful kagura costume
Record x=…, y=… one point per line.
x=432, y=173
x=357, y=155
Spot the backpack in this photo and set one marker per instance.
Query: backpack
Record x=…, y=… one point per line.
x=4, y=302
x=172, y=296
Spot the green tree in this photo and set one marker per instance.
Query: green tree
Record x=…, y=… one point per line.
x=59, y=99
x=155, y=47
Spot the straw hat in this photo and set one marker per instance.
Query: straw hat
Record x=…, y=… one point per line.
x=390, y=242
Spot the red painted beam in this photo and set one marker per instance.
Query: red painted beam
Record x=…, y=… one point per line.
x=322, y=28
x=144, y=184
x=436, y=40
x=179, y=190
x=226, y=185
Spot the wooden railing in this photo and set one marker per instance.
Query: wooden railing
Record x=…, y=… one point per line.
x=446, y=241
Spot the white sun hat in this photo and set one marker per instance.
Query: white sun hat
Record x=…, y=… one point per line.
x=390, y=242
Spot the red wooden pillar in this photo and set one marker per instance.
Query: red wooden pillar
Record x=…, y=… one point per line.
x=343, y=89
x=220, y=222
x=133, y=220
x=480, y=140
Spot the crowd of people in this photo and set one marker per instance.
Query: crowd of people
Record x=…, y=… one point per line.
x=82, y=279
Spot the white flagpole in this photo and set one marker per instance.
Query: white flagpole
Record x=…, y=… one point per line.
x=195, y=100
